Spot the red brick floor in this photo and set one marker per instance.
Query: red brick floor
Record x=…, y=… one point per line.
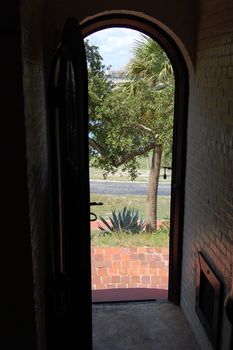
x=138, y=267
x=134, y=273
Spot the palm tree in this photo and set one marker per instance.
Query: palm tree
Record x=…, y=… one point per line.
x=151, y=66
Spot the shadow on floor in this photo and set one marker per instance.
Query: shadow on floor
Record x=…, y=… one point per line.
x=141, y=326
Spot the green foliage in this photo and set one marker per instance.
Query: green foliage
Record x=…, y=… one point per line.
x=117, y=202
x=98, y=86
x=126, y=220
x=150, y=63
x=128, y=121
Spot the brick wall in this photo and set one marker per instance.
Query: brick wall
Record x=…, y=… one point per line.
x=137, y=267
x=36, y=144
x=208, y=225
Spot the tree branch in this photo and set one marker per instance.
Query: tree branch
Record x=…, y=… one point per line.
x=133, y=154
x=96, y=146
x=145, y=128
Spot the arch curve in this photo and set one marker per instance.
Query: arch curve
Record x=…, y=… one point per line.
x=141, y=22
x=119, y=19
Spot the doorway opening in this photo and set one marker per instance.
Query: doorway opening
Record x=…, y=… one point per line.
x=179, y=130
x=69, y=157
x=131, y=117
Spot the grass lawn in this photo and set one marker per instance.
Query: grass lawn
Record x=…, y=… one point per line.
x=156, y=239
x=138, y=202
x=160, y=238
x=143, y=172
x=97, y=174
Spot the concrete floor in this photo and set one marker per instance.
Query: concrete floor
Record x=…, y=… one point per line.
x=141, y=326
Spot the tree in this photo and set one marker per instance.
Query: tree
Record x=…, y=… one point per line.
x=133, y=119
x=99, y=87
x=151, y=64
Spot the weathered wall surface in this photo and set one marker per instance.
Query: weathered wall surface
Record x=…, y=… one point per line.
x=209, y=181
x=178, y=19
x=18, y=328
x=36, y=144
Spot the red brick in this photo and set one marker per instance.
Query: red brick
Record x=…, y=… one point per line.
x=141, y=256
x=122, y=285
x=125, y=279
x=150, y=250
x=116, y=279
x=102, y=272
x=105, y=279
x=155, y=279
x=145, y=279
x=125, y=257
x=125, y=263
x=134, y=256
x=142, y=250
x=99, y=264
x=112, y=271
x=107, y=263
x=135, y=264
x=132, y=271
x=135, y=279
x=116, y=257
x=116, y=264
x=163, y=272
x=159, y=264
x=99, y=257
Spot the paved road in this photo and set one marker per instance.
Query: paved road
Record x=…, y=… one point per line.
x=125, y=188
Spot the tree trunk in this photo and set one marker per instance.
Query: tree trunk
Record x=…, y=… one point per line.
x=152, y=192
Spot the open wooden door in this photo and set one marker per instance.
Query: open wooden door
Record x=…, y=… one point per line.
x=69, y=297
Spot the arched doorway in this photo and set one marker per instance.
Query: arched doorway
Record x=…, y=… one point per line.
x=179, y=131
x=72, y=318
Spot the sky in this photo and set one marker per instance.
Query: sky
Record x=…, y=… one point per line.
x=115, y=45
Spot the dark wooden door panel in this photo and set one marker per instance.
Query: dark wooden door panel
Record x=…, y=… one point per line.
x=70, y=180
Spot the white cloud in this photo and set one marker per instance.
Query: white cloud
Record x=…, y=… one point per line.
x=115, y=45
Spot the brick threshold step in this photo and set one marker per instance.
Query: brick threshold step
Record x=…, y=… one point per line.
x=128, y=294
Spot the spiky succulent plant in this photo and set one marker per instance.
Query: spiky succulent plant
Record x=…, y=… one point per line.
x=126, y=220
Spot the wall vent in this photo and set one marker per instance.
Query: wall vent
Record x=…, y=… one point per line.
x=208, y=299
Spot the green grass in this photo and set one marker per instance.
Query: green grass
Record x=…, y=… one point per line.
x=143, y=171
x=119, y=202
x=157, y=239
x=97, y=174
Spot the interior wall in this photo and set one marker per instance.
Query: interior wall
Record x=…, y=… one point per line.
x=209, y=181
x=32, y=34
x=178, y=19
x=24, y=163
x=209, y=187
x=18, y=330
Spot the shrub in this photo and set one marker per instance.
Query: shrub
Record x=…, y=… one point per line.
x=126, y=220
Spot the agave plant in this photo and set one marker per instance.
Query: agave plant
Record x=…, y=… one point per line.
x=126, y=220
